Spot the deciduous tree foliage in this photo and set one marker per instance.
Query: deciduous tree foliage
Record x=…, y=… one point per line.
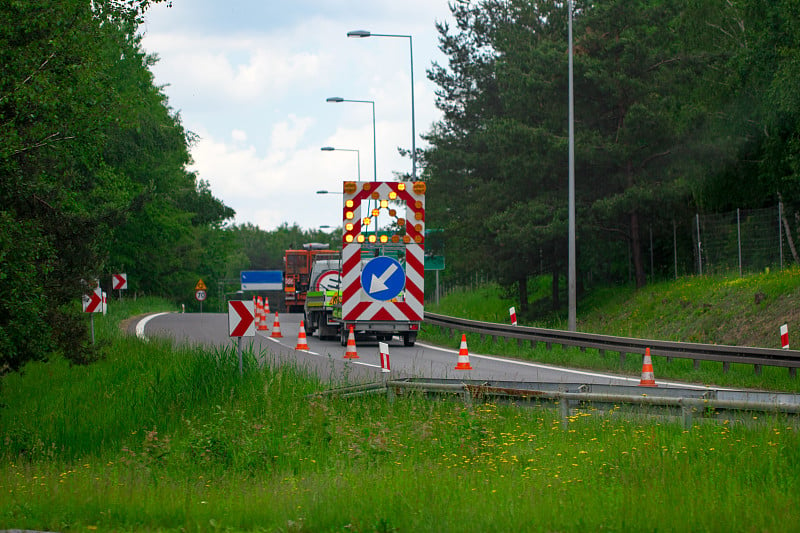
x=92, y=173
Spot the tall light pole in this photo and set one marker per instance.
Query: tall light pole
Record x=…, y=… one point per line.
x=364, y=33
x=358, y=153
x=338, y=99
x=571, y=320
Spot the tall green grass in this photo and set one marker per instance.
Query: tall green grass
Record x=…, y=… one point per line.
x=153, y=438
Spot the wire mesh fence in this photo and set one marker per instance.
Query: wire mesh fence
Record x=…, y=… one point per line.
x=745, y=240
x=740, y=241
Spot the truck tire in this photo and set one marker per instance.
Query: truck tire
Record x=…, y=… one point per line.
x=409, y=338
x=343, y=335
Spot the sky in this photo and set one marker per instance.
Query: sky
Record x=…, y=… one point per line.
x=250, y=78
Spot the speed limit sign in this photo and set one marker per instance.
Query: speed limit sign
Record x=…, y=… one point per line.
x=200, y=295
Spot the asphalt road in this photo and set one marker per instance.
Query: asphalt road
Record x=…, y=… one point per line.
x=326, y=358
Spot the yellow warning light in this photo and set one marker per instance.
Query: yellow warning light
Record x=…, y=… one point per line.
x=384, y=238
x=348, y=238
x=349, y=204
x=367, y=186
x=418, y=215
x=348, y=215
x=350, y=187
x=418, y=238
x=418, y=204
x=395, y=238
x=419, y=187
x=384, y=204
x=392, y=195
x=392, y=212
x=406, y=239
x=348, y=226
x=376, y=212
x=372, y=238
x=418, y=227
x=401, y=186
x=367, y=220
x=360, y=238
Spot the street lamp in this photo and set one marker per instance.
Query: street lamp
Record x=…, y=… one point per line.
x=337, y=99
x=358, y=154
x=362, y=34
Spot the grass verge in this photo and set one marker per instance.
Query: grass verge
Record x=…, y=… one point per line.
x=156, y=439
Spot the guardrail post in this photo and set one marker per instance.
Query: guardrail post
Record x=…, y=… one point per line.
x=697, y=364
x=725, y=367
x=563, y=405
x=687, y=417
x=622, y=358
x=602, y=353
x=757, y=369
x=792, y=372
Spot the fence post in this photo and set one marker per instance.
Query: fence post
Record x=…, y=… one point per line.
x=739, y=239
x=699, y=248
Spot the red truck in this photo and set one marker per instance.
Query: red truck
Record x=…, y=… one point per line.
x=297, y=273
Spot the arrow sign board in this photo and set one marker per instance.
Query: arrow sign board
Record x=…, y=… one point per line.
x=383, y=278
x=119, y=282
x=93, y=302
x=240, y=318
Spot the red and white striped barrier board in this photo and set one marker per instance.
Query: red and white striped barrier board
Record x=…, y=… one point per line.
x=364, y=303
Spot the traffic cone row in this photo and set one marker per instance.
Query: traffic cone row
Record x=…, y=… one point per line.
x=648, y=379
x=276, y=328
x=463, y=355
x=261, y=316
x=302, y=343
x=351, y=346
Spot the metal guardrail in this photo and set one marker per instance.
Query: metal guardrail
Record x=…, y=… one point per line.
x=757, y=357
x=687, y=404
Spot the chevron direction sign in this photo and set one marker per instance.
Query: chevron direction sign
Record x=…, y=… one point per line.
x=119, y=282
x=93, y=302
x=240, y=318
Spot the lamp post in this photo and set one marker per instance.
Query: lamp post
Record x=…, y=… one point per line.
x=571, y=285
x=358, y=154
x=362, y=34
x=337, y=99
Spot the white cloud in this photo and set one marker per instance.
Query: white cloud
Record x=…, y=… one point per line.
x=254, y=90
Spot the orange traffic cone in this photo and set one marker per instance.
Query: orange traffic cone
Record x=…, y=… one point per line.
x=261, y=316
x=351, y=346
x=463, y=355
x=276, y=327
x=648, y=380
x=256, y=314
x=301, y=338
x=266, y=305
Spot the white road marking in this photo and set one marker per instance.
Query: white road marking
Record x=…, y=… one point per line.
x=143, y=322
x=561, y=369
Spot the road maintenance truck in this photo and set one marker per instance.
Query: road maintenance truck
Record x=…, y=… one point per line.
x=297, y=272
x=382, y=265
x=323, y=296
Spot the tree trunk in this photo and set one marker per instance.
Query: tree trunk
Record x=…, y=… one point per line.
x=636, y=251
x=523, y=294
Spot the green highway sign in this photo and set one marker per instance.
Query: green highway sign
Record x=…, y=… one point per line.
x=434, y=262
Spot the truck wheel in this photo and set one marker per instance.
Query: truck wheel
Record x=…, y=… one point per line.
x=343, y=336
x=409, y=339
